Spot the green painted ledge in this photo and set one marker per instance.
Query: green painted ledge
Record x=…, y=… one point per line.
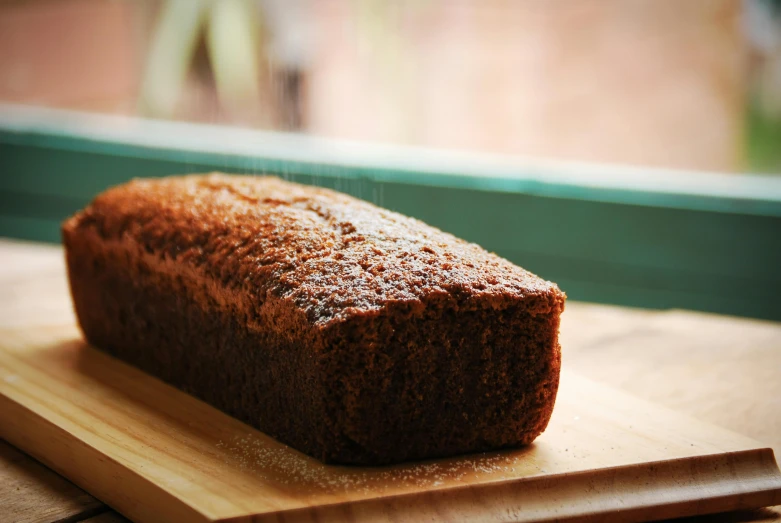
x=608, y=234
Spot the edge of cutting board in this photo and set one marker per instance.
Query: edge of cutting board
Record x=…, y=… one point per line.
x=709, y=479
x=746, y=477
x=618, y=494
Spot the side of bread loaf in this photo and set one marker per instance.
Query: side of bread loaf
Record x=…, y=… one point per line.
x=349, y=332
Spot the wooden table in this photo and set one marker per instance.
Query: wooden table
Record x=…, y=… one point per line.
x=719, y=369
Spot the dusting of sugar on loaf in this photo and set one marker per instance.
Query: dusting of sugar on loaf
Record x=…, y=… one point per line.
x=332, y=255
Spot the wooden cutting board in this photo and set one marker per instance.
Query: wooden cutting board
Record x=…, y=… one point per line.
x=156, y=454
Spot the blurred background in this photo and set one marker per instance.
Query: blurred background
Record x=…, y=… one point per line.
x=693, y=85
x=657, y=122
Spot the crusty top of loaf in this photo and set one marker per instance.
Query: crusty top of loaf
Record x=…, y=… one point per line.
x=333, y=255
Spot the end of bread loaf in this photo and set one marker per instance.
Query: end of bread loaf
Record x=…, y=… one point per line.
x=349, y=332
x=439, y=381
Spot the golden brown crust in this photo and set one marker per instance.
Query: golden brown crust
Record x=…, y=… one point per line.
x=333, y=255
x=361, y=314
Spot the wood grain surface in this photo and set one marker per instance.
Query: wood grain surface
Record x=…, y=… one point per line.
x=32, y=493
x=633, y=349
x=721, y=369
x=156, y=453
x=106, y=517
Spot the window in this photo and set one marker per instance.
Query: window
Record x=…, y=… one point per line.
x=626, y=150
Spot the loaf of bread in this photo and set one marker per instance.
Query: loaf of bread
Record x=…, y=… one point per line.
x=351, y=333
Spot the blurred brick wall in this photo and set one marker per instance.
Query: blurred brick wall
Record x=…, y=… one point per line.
x=652, y=82
x=71, y=53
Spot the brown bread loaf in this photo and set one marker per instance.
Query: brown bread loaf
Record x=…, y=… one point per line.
x=349, y=332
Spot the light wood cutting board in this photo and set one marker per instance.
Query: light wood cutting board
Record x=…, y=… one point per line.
x=156, y=454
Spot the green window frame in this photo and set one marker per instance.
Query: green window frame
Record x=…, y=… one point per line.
x=610, y=234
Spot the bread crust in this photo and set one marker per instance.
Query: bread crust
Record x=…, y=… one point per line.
x=349, y=332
